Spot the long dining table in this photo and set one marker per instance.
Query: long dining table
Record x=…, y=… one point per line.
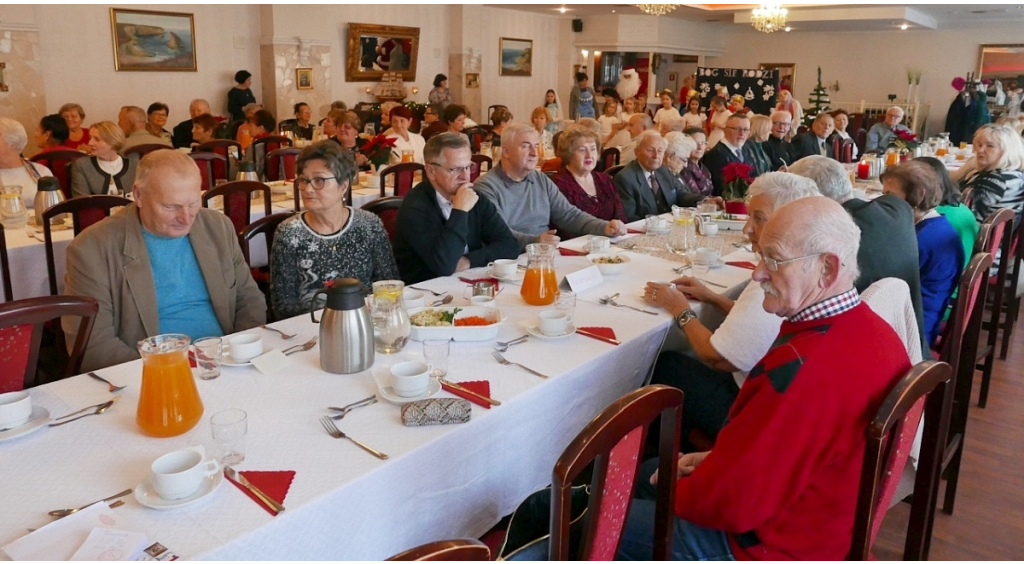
x=440, y=481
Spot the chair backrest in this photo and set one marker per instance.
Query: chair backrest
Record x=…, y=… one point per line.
x=455, y=550
x=609, y=158
x=212, y=167
x=613, y=442
x=967, y=195
x=481, y=160
x=476, y=136
x=59, y=164
x=265, y=145
x=842, y=149
x=861, y=138
x=387, y=210
x=225, y=148
x=965, y=322
x=612, y=171
x=474, y=171
x=1000, y=222
x=280, y=164
x=84, y=211
x=403, y=175
x=143, y=150
x=5, y=266
x=490, y=110
x=236, y=200
x=267, y=226
x=21, y=330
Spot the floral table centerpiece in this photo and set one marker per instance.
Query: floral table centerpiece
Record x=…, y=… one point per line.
x=737, y=178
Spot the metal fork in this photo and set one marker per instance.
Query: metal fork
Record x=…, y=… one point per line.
x=345, y=410
x=428, y=290
x=113, y=388
x=502, y=347
x=333, y=431
x=501, y=359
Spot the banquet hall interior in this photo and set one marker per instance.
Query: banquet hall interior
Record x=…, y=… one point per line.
x=865, y=59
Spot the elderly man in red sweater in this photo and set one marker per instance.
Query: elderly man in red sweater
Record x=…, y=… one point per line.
x=781, y=482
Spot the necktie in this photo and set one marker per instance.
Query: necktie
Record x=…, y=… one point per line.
x=739, y=154
x=654, y=185
x=821, y=147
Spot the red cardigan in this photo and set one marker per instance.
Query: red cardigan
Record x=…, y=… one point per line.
x=782, y=479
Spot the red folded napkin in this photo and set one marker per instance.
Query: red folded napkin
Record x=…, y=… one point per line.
x=482, y=387
x=571, y=252
x=742, y=264
x=603, y=331
x=273, y=483
x=497, y=285
x=631, y=230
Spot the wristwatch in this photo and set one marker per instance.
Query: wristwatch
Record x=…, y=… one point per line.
x=683, y=318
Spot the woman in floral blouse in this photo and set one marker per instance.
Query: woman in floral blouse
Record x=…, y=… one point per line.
x=695, y=176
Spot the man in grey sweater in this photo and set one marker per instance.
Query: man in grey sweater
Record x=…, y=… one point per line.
x=527, y=199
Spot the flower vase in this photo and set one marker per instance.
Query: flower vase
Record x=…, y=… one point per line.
x=904, y=155
x=736, y=206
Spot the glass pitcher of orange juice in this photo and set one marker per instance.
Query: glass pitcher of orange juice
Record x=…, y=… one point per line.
x=540, y=287
x=169, y=403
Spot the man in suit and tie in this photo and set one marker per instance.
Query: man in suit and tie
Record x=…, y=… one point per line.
x=815, y=141
x=645, y=186
x=779, y=150
x=729, y=150
x=638, y=123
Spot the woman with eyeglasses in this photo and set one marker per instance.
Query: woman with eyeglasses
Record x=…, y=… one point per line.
x=695, y=176
x=329, y=240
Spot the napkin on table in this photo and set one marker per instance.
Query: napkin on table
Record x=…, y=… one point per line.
x=571, y=252
x=603, y=331
x=742, y=264
x=482, y=387
x=273, y=483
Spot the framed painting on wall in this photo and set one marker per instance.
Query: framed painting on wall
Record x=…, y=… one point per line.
x=516, y=57
x=472, y=80
x=304, y=79
x=376, y=49
x=152, y=41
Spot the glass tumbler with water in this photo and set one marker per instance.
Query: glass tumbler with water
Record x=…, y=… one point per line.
x=391, y=324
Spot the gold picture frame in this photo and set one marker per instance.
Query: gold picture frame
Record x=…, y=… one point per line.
x=472, y=80
x=515, y=57
x=145, y=40
x=1007, y=55
x=374, y=49
x=3, y=84
x=304, y=79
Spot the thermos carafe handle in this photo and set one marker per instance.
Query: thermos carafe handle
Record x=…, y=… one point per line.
x=312, y=307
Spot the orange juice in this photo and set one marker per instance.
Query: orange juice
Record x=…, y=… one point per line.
x=941, y=152
x=540, y=287
x=169, y=403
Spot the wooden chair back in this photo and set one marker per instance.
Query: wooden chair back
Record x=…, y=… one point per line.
x=5, y=266
x=226, y=148
x=861, y=138
x=212, y=167
x=1012, y=299
x=403, y=176
x=999, y=244
x=84, y=211
x=140, y=151
x=233, y=128
x=236, y=200
x=280, y=164
x=481, y=160
x=21, y=332
x=612, y=171
x=609, y=158
x=455, y=550
x=387, y=210
x=266, y=226
x=613, y=444
x=265, y=145
x=490, y=110
x=476, y=136
x=59, y=163
x=842, y=149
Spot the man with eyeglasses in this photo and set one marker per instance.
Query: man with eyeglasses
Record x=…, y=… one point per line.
x=781, y=482
x=883, y=133
x=815, y=141
x=432, y=124
x=443, y=226
x=729, y=150
x=778, y=147
x=528, y=200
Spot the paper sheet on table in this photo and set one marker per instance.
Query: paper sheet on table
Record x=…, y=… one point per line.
x=579, y=244
x=60, y=539
x=112, y=545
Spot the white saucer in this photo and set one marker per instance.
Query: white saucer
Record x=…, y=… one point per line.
x=388, y=393
x=226, y=360
x=39, y=418
x=535, y=331
x=518, y=277
x=146, y=495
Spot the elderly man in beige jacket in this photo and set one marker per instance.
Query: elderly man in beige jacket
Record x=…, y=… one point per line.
x=163, y=264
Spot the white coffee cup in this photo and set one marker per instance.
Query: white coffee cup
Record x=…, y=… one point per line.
x=482, y=301
x=710, y=229
x=413, y=298
x=504, y=268
x=410, y=379
x=707, y=256
x=245, y=347
x=553, y=322
x=598, y=243
x=179, y=474
x=15, y=409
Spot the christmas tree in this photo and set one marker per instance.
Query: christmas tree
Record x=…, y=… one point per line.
x=818, y=101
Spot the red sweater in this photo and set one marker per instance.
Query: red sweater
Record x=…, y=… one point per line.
x=787, y=465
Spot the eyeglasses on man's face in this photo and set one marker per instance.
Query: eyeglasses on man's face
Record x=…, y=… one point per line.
x=774, y=264
x=739, y=129
x=317, y=182
x=455, y=170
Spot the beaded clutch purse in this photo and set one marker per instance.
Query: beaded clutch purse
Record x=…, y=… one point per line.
x=436, y=411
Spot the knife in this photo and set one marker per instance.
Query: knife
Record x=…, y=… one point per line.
x=593, y=335
x=466, y=390
x=84, y=409
x=236, y=477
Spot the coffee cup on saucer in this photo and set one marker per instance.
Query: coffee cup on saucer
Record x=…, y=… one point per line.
x=707, y=255
x=553, y=322
x=410, y=379
x=179, y=474
x=504, y=268
x=413, y=298
x=15, y=409
x=245, y=347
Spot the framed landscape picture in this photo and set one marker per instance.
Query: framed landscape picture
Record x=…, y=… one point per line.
x=152, y=41
x=516, y=57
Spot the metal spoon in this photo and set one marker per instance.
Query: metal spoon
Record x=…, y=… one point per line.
x=445, y=300
x=344, y=412
x=502, y=347
x=98, y=411
x=299, y=348
x=428, y=290
x=284, y=335
x=354, y=404
x=610, y=300
x=65, y=512
x=113, y=388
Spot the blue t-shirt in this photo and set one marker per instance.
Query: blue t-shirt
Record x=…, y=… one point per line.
x=182, y=300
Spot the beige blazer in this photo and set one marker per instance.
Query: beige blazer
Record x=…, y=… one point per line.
x=109, y=263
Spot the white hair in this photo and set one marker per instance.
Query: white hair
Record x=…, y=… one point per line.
x=781, y=113
x=644, y=137
x=13, y=133
x=672, y=125
x=782, y=188
x=679, y=145
x=199, y=101
x=508, y=135
x=833, y=231
x=831, y=177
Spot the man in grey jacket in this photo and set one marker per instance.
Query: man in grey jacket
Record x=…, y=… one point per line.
x=527, y=199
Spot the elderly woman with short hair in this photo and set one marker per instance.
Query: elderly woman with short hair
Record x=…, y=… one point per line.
x=14, y=169
x=939, y=249
x=695, y=176
x=329, y=240
x=405, y=140
x=346, y=126
x=157, y=113
x=590, y=191
x=105, y=172
x=78, y=136
x=997, y=181
x=678, y=148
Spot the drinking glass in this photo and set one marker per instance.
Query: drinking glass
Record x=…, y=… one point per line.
x=208, y=356
x=700, y=266
x=435, y=352
x=707, y=207
x=229, y=428
x=566, y=302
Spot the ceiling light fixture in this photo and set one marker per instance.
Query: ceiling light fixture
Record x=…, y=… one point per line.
x=562, y=9
x=788, y=28
x=904, y=27
x=769, y=18
x=656, y=9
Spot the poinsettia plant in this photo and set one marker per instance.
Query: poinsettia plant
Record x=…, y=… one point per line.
x=376, y=148
x=905, y=140
x=737, y=178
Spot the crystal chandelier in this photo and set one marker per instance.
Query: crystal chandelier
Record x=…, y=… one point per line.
x=656, y=9
x=768, y=18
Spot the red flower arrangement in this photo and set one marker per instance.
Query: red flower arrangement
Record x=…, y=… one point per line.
x=905, y=140
x=737, y=177
x=377, y=148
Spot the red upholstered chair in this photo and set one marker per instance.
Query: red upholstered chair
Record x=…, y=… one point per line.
x=612, y=171
x=142, y=150
x=5, y=266
x=842, y=149
x=861, y=138
x=889, y=439
x=266, y=226
x=490, y=110
x=212, y=167
x=236, y=200
x=387, y=210
x=480, y=161
x=476, y=136
x=1011, y=300
x=457, y=550
x=1000, y=239
x=612, y=444
x=474, y=171
x=609, y=158
x=84, y=211
x=59, y=163
x=551, y=165
x=265, y=145
x=225, y=148
x=403, y=177
x=21, y=330
x=280, y=164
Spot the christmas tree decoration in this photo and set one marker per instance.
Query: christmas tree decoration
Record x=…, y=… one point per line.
x=818, y=102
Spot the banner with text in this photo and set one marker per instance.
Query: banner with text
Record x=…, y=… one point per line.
x=758, y=87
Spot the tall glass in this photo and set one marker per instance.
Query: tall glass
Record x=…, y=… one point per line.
x=169, y=403
x=13, y=214
x=540, y=287
x=391, y=323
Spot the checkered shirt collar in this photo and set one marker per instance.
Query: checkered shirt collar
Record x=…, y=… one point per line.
x=827, y=308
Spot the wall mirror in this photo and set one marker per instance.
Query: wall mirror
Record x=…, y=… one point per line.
x=1002, y=62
